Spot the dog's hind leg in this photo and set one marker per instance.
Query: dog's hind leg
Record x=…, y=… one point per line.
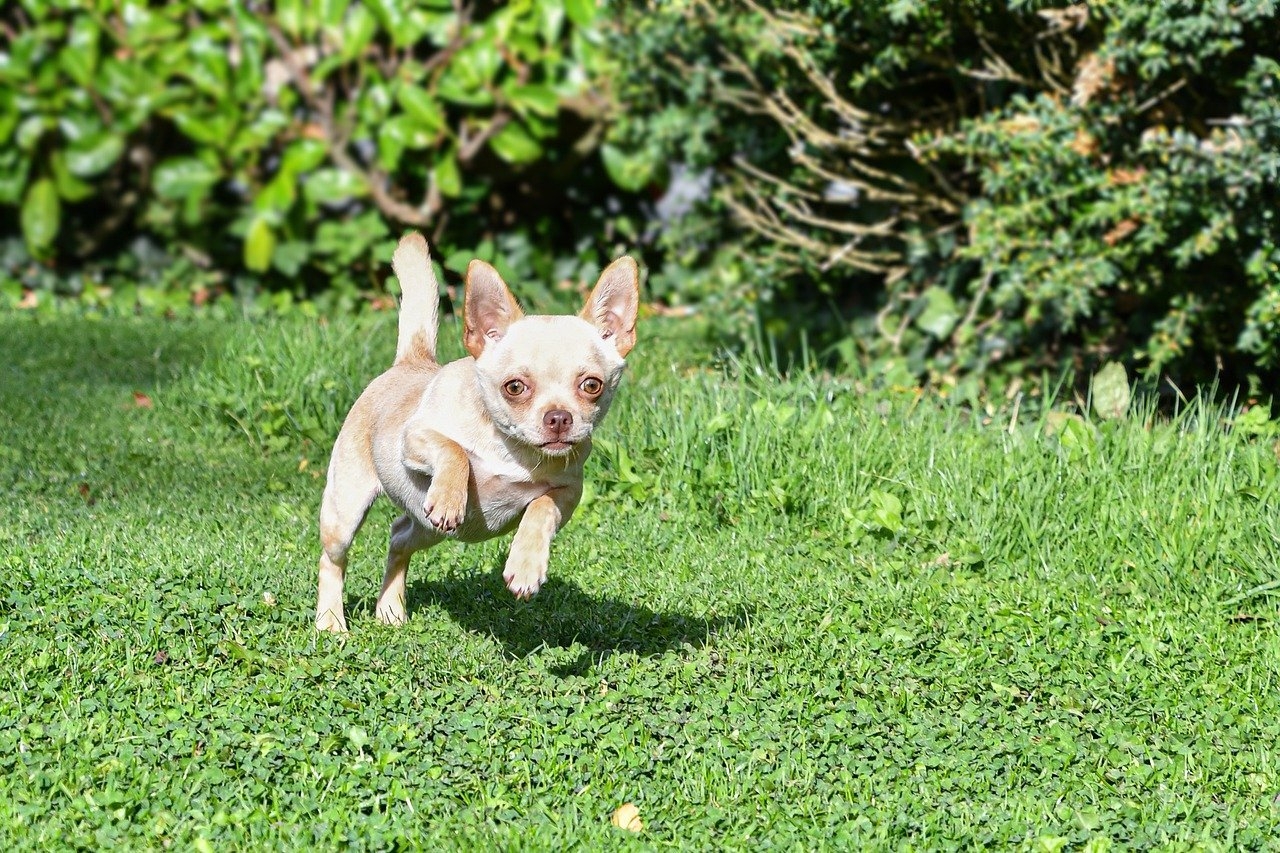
x=407, y=537
x=350, y=491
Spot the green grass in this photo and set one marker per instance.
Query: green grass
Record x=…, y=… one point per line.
x=790, y=614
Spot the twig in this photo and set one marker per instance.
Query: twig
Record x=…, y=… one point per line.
x=976, y=303
x=880, y=229
x=456, y=40
x=954, y=199
x=755, y=171
x=1160, y=96
x=1013, y=418
x=468, y=148
x=764, y=220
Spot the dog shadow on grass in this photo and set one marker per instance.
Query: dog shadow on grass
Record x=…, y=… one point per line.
x=564, y=615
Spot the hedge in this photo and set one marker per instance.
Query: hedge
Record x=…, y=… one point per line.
x=936, y=190
x=291, y=141
x=981, y=184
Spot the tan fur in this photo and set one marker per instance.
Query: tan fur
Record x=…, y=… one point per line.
x=454, y=448
x=419, y=300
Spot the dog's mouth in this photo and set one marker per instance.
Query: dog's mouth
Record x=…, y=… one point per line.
x=556, y=448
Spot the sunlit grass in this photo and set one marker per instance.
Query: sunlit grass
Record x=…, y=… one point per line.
x=789, y=613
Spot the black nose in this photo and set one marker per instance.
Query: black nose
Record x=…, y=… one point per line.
x=557, y=420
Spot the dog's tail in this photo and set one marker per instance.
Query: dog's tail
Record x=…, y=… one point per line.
x=419, y=300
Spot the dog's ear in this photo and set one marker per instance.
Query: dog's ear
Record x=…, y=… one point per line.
x=488, y=309
x=612, y=306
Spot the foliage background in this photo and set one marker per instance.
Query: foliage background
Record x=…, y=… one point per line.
x=1077, y=608
x=234, y=146
x=975, y=185
x=935, y=192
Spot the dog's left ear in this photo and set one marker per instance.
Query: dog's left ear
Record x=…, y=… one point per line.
x=612, y=306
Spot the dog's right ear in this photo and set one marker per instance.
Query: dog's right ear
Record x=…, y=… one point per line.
x=488, y=309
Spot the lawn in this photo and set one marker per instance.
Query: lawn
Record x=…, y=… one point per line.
x=790, y=613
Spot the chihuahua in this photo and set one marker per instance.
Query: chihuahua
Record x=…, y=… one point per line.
x=475, y=448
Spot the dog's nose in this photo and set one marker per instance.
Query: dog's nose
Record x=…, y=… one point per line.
x=557, y=420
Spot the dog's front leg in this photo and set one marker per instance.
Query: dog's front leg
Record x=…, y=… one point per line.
x=526, y=569
x=429, y=452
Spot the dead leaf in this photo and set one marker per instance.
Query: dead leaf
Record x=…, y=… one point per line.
x=303, y=464
x=1125, y=177
x=29, y=299
x=1084, y=144
x=1070, y=18
x=1020, y=124
x=87, y=494
x=162, y=657
x=142, y=401
x=1123, y=229
x=1093, y=76
x=627, y=817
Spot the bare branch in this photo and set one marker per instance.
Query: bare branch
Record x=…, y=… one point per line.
x=842, y=144
x=762, y=218
x=754, y=171
x=468, y=148
x=1161, y=95
x=975, y=303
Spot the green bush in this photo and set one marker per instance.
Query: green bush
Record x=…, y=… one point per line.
x=1138, y=206
x=977, y=184
x=290, y=141
x=933, y=189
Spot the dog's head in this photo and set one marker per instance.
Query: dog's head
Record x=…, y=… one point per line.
x=546, y=381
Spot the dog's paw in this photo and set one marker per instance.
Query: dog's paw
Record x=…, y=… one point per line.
x=391, y=612
x=525, y=574
x=445, y=508
x=331, y=622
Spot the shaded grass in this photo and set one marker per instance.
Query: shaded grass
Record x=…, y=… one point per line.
x=789, y=614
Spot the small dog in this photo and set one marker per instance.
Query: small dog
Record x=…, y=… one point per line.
x=471, y=449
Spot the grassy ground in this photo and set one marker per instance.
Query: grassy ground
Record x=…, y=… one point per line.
x=790, y=614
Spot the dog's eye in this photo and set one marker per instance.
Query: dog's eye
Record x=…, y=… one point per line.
x=591, y=386
x=514, y=388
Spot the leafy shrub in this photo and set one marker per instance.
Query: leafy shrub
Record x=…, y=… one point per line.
x=1136, y=207
x=975, y=184
x=289, y=141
